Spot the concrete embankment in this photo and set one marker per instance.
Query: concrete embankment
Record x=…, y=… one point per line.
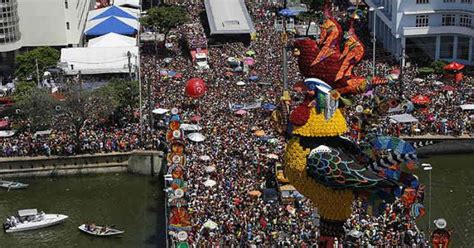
x=447, y=147
x=139, y=162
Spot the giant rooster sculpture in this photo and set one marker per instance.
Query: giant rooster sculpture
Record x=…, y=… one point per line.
x=323, y=166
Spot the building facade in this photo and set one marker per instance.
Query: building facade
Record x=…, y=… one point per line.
x=434, y=29
x=33, y=23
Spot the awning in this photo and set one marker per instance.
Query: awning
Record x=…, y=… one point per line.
x=403, y=118
x=228, y=17
x=113, y=11
x=112, y=24
x=112, y=40
x=27, y=212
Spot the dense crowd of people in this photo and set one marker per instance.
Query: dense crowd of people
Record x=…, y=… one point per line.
x=395, y=227
x=442, y=115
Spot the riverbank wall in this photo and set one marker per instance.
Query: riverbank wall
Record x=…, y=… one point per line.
x=138, y=162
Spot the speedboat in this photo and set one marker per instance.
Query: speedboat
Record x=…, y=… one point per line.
x=30, y=219
x=12, y=185
x=99, y=230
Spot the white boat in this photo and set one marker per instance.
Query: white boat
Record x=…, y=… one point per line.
x=30, y=219
x=103, y=231
x=12, y=185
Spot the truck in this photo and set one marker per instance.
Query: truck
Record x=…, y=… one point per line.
x=197, y=45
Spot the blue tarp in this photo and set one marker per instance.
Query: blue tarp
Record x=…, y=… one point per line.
x=268, y=106
x=111, y=25
x=289, y=12
x=114, y=11
x=253, y=78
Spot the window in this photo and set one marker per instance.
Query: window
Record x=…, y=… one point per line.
x=67, y=25
x=466, y=1
x=465, y=21
x=449, y=1
x=422, y=20
x=446, y=47
x=422, y=1
x=448, y=20
x=463, y=48
x=65, y=4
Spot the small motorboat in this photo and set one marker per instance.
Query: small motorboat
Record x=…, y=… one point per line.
x=30, y=219
x=12, y=185
x=103, y=231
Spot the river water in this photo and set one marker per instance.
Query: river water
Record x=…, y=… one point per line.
x=131, y=203
x=452, y=195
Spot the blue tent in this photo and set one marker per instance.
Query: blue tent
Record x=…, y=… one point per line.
x=114, y=11
x=111, y=25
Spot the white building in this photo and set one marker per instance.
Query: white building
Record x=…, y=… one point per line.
x=33, y=23
x=439, y=29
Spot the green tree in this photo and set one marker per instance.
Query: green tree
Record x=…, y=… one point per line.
x=23, y=90
x=38, y=107
x=124, y=92
x=82, y=107
x=25, y=63
x=163, y=19
x=438, y=66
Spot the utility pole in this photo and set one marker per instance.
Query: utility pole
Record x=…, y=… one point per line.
x=140, y=101
x=374, y=41
x=402, y=68
x=37, y=73
x=129, y=57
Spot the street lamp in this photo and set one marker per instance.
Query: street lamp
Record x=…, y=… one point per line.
x=428, y=167
x=374, y=39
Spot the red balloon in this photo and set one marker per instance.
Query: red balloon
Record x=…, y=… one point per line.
x=195, y=87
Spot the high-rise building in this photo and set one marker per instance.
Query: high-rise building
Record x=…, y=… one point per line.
x=33, y=23
x=437, y=29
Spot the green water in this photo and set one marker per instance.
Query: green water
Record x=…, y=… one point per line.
x=452, y=195
x=131, y=203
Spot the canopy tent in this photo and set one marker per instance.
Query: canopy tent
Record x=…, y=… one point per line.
x=7, y=133
x=127, y=3
x=467, y=107
x=453, y=66
x=112, y=40
x=97, y=60
x=111, y=24
x=228, y=17
x=403, y=118
x=113, y=11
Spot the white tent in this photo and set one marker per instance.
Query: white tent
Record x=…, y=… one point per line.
x=403, y=118
x=128, y=3
x=97, y=60
x=103, y=11
x=112, y=40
